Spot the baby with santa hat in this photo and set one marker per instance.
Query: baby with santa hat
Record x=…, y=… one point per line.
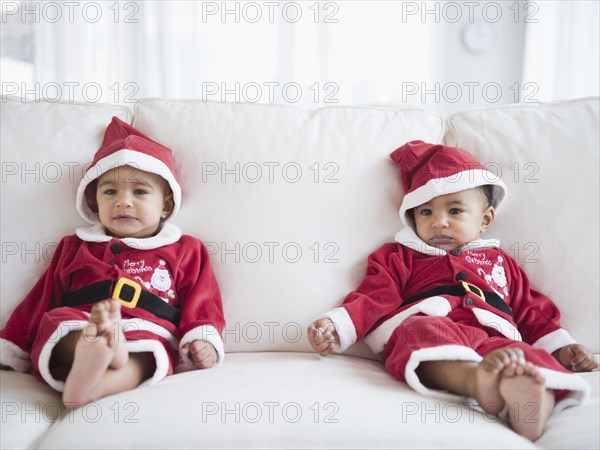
x=452, y=314
x=125, y=298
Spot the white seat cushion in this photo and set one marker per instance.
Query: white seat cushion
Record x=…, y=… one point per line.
x=295, y=400
x=29, y=408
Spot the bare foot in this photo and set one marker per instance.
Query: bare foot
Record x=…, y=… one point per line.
x=484, y=379
x=93, y=355
x=106, y=315
x=529, y=403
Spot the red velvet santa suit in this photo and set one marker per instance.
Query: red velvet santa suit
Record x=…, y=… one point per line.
x=174, y=268
x=461, y=326
x=185, y=276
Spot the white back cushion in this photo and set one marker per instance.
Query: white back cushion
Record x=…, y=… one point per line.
x=45, y=148
x=289, y=203
x=547, y=154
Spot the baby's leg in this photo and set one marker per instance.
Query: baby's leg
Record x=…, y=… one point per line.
x=106, y=315
x=62, y=355
x=476, y=380
x=91, y=359
x=91, y=376
x=528, y=401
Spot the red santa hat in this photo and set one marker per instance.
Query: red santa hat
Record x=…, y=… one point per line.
x=431, y=170
x=123, y=145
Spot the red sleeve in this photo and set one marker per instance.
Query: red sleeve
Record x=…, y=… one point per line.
x=534, y=314
x=199, y=294
x=379, y=292
x=22, y=325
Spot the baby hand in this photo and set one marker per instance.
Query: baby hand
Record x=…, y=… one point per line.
x=323, y=336
x=577, y=358
x=202, y=354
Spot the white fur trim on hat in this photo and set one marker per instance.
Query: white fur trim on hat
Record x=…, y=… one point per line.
x=121, y=158
x=457, y=182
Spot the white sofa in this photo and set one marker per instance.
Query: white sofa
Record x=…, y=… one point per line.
x=290, y=203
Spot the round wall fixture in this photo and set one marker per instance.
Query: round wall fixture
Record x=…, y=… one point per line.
x=478, y=37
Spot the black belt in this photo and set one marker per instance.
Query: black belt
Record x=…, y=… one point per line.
x=129, y=293
x=460, y=290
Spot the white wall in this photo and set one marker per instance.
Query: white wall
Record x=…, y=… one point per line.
x=385, y=53
x=487, y=75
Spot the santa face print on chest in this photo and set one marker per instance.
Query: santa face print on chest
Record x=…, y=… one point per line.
x=492, y=271
x=154, y=277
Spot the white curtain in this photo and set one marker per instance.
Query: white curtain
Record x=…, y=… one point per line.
x=307, y=54
x=303, y=53
x=562, y=50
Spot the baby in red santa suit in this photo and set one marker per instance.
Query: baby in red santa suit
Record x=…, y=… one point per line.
x=123, y=298
x=453, y=314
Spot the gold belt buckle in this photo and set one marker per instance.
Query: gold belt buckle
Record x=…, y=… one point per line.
x=473, y=290
x=137, y=290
